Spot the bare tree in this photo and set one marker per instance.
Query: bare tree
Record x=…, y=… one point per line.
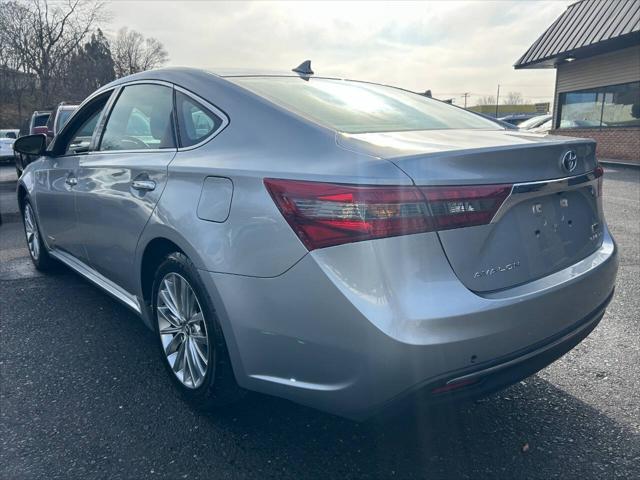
x=16, y=81
x=487, y=100
x=45, y=33
x=133, y=53
x=513, y=98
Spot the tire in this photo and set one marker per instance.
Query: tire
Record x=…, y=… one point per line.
x=217, y=386
x=37, y=249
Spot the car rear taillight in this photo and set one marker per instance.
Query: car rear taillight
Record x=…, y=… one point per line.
x=599, y=173
x=328, y=214
x=464, y=206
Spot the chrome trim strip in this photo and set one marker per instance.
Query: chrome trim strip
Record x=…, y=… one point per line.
x=524, y=191
x=98, y=279
x=538, y=351
x=142, y=150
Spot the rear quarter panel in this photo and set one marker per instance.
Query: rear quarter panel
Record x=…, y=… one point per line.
x=260, y=141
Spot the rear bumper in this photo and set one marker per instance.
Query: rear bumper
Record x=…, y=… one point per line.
x=358, y=328
x=501, y=372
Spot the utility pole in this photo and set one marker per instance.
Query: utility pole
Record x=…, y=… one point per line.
x=465, y=95
x=497, y=100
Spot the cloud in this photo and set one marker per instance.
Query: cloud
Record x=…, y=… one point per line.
x=448, y=47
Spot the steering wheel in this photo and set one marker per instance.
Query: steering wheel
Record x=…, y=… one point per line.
x=136, y=142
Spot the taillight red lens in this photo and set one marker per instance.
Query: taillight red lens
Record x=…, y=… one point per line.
x=327, y=214
x=464, y=206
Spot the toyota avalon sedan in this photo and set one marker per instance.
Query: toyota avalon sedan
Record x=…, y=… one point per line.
x=346, y=245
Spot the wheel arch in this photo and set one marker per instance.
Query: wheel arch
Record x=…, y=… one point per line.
x=158, y=241
x=153, y=254
x=22, y=196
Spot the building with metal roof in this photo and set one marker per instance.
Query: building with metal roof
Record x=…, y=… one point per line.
x=595, y=48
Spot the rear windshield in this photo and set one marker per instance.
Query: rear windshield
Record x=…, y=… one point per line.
x=356, y=107
x=41, y=120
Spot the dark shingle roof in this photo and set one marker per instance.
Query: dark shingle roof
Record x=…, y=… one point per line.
x=587, y=27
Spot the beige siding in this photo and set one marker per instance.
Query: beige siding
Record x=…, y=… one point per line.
x=612, y=68
x=617, y=67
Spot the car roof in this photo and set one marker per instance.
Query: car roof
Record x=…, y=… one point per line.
x=181, y=76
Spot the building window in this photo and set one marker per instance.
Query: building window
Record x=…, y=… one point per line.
x=611, y=106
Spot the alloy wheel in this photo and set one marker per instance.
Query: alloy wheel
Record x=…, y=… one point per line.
x=183, y=331
x=31, y=230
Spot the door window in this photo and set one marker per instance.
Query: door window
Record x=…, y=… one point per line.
x=77, y=138
x=195, y=122
x=141, y=119
x=81, y=139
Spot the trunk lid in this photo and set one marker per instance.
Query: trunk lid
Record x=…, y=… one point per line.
x=551, y=220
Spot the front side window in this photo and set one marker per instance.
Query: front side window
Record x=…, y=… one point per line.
x=63, y=116
x=81, y=139
x=141, y=119
x=195, y=122
x=358, y=107
x=609, y=106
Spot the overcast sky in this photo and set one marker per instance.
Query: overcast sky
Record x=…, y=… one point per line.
x=448, y=47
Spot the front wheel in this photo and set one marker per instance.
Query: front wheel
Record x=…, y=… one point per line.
x=190, y=338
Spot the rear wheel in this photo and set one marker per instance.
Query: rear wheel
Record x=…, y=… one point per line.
x=37, y=249
x=190, y=339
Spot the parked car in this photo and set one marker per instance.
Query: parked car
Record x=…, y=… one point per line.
x=7, y=137
x=58, y=119
x=38, y=123
x=545, y=127
x=517, y=119
x=503, y=124
x=534, y=122
x=54, y=121
x=341, y=244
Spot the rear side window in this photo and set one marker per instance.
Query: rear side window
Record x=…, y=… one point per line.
x=141, y=119
x=195, y=122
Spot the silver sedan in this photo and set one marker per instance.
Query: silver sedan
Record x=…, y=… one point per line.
x=345, y=245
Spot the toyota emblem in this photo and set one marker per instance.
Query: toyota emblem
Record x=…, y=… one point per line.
x=570, y=161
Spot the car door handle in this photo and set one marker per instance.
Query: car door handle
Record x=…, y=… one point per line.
x=71, y=181
x=143, y=185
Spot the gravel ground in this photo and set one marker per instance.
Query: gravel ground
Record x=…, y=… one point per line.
x=83, y=395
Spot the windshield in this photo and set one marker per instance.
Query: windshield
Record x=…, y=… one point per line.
x=534, y=122
x=356, y=107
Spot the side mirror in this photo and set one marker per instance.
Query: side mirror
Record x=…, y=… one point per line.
x=31, y=144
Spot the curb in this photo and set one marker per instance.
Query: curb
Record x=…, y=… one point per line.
x=616, y=163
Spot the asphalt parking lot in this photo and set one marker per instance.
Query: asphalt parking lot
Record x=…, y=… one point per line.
x=83, y=395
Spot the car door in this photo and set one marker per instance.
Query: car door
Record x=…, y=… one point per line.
x=56, y=181
x=121, y=181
